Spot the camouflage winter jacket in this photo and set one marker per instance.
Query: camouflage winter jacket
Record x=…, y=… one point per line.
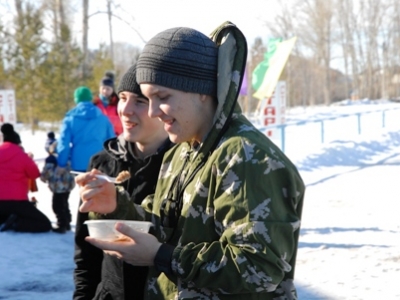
x=237, y=235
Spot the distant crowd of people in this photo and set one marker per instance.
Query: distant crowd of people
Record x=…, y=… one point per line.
x=83, y=132
x=225, y=202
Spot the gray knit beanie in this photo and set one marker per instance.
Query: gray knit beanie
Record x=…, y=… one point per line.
x=180, y=58
x=128, y=82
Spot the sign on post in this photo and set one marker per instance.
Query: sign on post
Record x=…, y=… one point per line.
x=8, y=112
x=273, y=111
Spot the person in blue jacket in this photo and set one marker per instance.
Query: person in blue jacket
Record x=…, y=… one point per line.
x=83, y=131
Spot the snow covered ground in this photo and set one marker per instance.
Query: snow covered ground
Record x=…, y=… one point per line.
x=349, y=244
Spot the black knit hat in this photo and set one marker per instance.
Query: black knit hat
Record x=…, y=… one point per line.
x=9, y=135
x=128, y=82
x=51, y=138
x=51, y=135
x=180, y=58
x=108, y=79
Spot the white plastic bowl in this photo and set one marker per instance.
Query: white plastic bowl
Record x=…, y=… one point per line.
x=104, y=229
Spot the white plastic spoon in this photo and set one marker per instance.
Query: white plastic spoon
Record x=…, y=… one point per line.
x=102, y=176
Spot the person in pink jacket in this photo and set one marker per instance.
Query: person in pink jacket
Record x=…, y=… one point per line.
x=16, y=169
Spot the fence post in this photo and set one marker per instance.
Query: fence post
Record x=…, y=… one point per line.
x=283, y=137
x=383, y=118
x=283, y=126
x=322, y=131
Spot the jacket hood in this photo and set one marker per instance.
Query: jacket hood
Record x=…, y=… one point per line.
x=85, y=110
x=118, y=148
x=8, y=151
x=232, y=57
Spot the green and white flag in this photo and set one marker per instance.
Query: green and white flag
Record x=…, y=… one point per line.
x=276, y=64
x=259, y=72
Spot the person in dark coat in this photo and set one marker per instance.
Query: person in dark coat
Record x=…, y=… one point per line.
x=139, y=150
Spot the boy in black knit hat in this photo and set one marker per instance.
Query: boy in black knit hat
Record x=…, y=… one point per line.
x=138, y=150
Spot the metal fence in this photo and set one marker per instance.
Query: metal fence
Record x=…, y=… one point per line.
x=358, y=122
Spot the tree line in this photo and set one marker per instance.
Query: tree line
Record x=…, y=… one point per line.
x=44, y=63
x=345, y=49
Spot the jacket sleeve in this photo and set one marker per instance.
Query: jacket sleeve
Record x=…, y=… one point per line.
x=48, y=169
x=45, y=174
x=256, y=216
x=88, y=258
x=31, y=169
x=63, y=144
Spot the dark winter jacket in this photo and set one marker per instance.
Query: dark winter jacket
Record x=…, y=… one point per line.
x=113, y=278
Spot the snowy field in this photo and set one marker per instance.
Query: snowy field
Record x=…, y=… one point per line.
x=350, y=237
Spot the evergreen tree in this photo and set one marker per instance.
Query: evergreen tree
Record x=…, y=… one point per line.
x=25, y=54
x=100, y=63
x=61, y=76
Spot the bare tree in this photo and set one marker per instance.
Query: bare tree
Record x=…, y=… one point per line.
x=367, y=33
x=346, y=20
x=109, y=14
x=393, y=53
x=284, y=26
x=85, y=30
x=257, y=52
x=318, y=16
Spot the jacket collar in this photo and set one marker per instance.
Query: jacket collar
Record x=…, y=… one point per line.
x=120, y=149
